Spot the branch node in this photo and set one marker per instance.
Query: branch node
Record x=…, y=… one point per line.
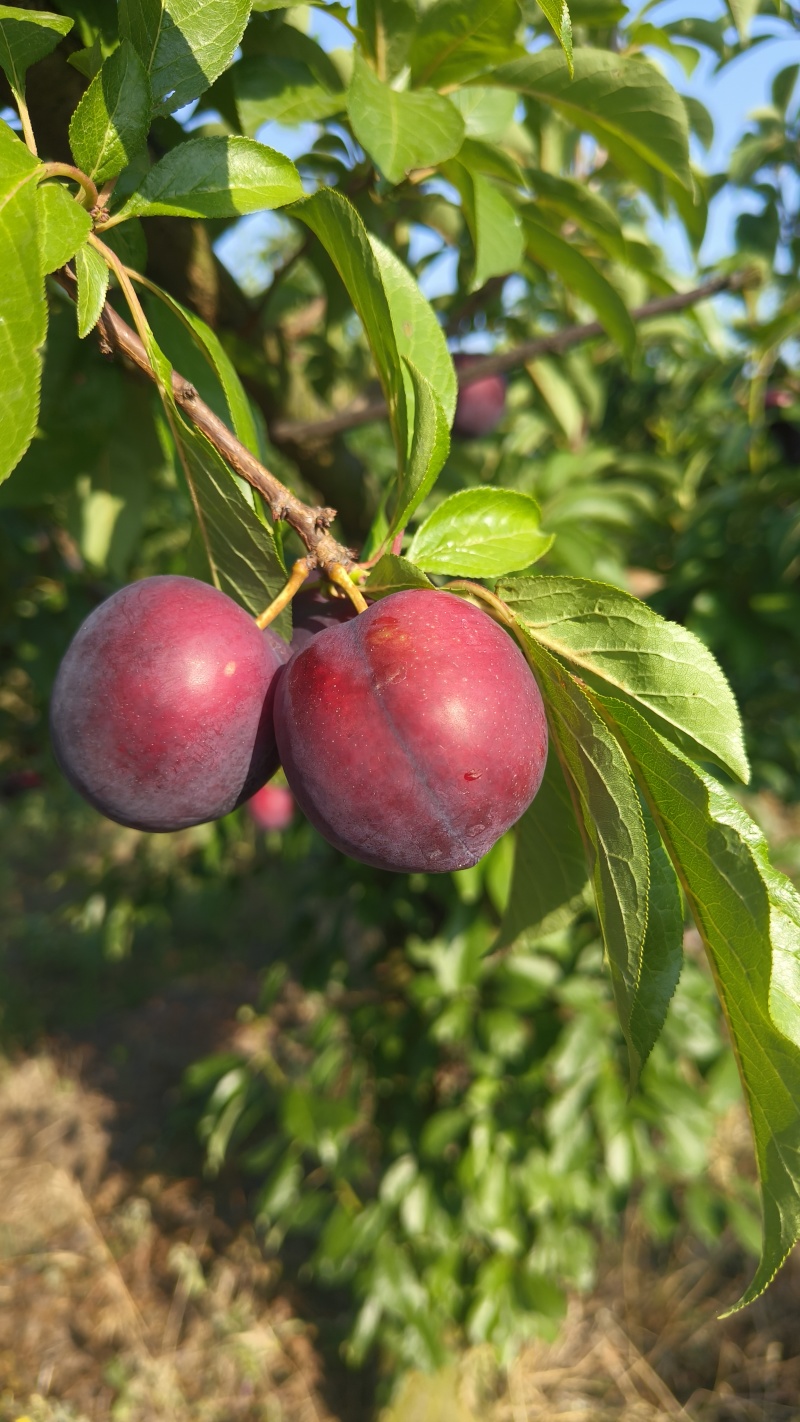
x=187, y=391
x=323, y=518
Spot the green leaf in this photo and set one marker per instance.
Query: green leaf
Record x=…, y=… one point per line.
x=23, y=310
x=607, y=635
x=783, y=86
x=89, y=60
x=612, y=96
x=401, y=130
x=63, y=225
x=270, y=88
x=215, y=177
x=662, y=953
x=549, y=863
x=457, y=39
x=560, y=396
x=339, y=228
x=491, y=160
x=700, y=120
x=387, y=29
x=112, y=120
x=582, y=277
x=487, y=113
x=430, y=446
x=610, y=816
x=184, y=45
x=93, y=275
x=479, y=533
x=239, y=413
x=557, y=14
x=242, y=555
x=495, y=225
x=392, y=574
x=719, y=869
x=572, y=199
x=420, y=338
x=25, y=36
x=742, y=12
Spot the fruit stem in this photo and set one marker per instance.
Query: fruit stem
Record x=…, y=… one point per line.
x=339, y=575
x=298, y=575
x=492, y=604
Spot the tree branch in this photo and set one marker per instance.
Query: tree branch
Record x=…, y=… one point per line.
x=286, y=432
x=312, y=525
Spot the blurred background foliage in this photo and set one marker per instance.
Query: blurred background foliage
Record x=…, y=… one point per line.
x=437, y=1128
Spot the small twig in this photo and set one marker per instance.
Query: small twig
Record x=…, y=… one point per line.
x=88, y=196
x=286, y=432
x=310, y=524
x=297, y=577
x=98, y=211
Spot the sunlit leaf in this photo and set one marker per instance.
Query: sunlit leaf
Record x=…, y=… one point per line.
x=215, y=177
x=608, y=636
x=401, y=130
x=479, y=533
x=23, y=310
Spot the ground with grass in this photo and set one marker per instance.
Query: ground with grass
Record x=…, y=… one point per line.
x=132, y=1289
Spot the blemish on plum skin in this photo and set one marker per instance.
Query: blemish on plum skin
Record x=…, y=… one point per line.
x=229, y=668
x=473, y=774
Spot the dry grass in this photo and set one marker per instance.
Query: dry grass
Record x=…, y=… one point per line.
x=125, y=1296
x=129, y=1298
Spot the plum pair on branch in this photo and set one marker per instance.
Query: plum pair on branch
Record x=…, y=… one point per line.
x=412, y=736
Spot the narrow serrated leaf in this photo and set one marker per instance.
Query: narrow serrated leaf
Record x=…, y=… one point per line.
x=392, y=574
x=184, y=44
x=25, y=37
x=430, y=446
x=241, y=415
x=609, y=635
x=93, y=275
x=550, y=870
x=242, y=554
x=494, y=223
x=215, y=177
x=419, y=336
x=715, y=860
x=63, y=225
x=334, y=220
x=112, y=120
x=613, y=97
x=479, y=532
x=23, y=310
x=662, y=952
x=558, y=16
x=610, y=817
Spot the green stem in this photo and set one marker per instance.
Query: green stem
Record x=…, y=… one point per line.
x=120, y=272
x=88, y=196
x=25, y=120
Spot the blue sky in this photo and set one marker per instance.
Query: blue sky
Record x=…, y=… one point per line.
x=730, y=96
